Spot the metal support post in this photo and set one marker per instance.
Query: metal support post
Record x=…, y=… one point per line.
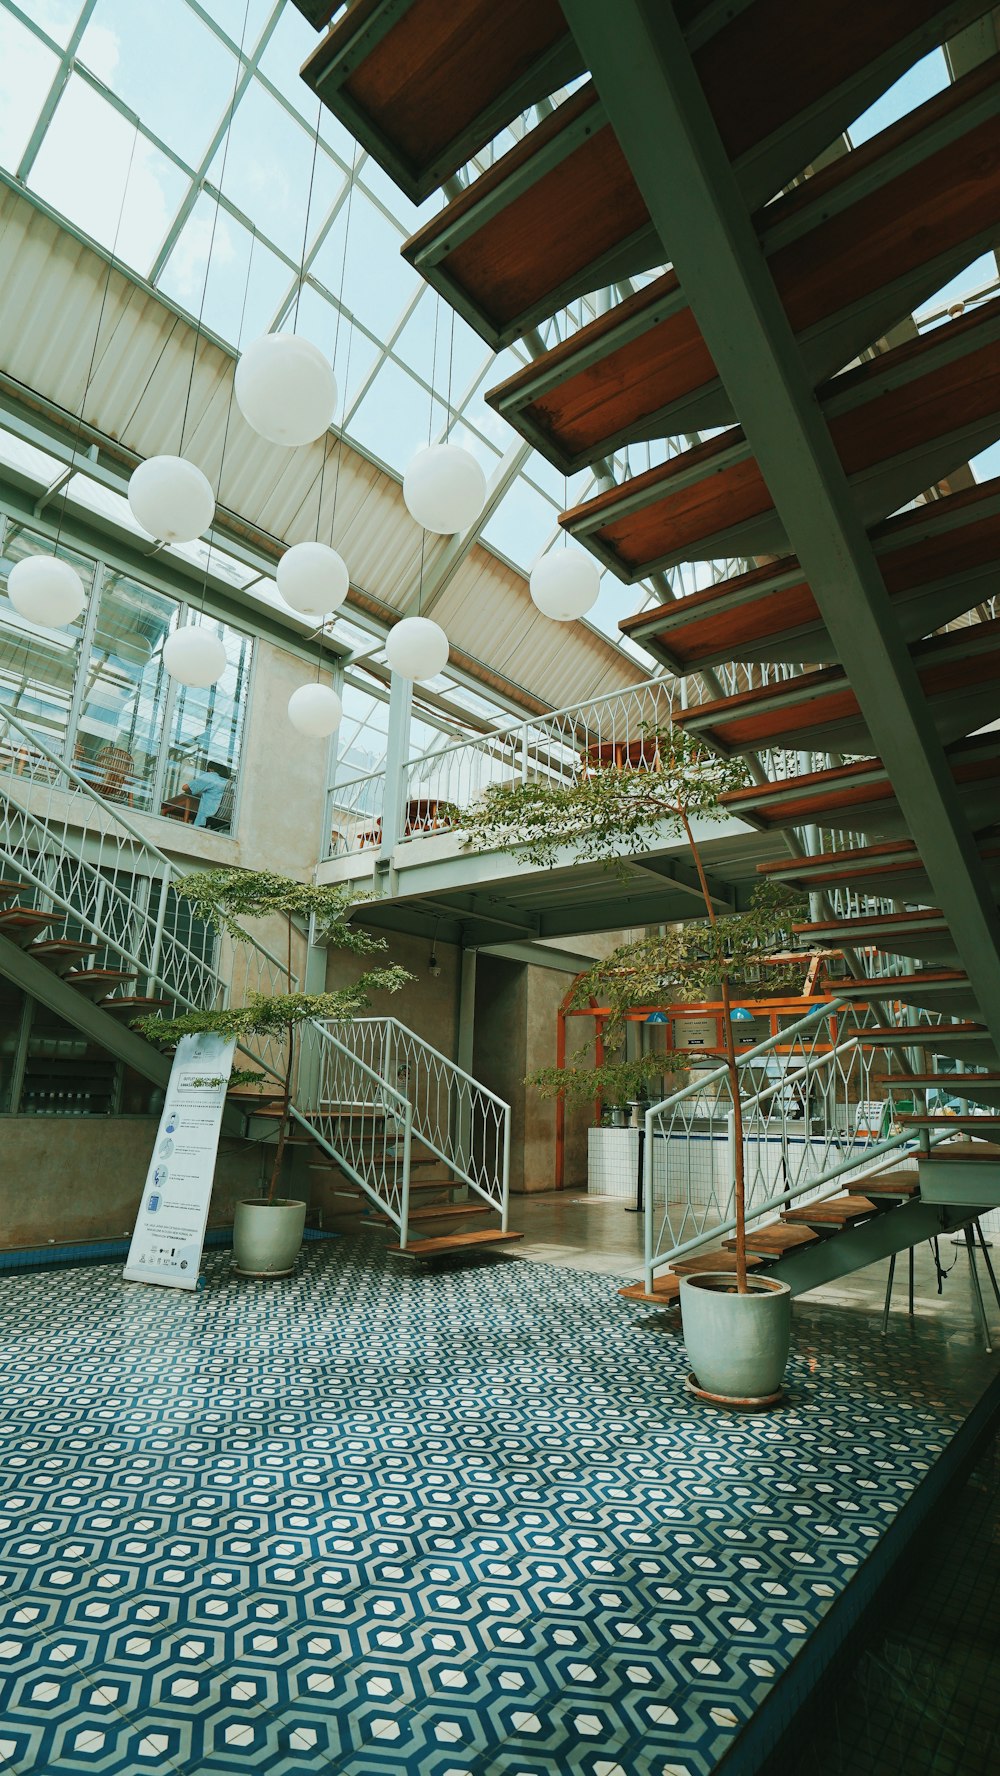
x=397, y=756
x=970, y=1247
x=985, y=1246
x=888, y=1294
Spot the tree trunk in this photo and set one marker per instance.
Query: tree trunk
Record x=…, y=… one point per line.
x=739, y=1192
x=286, y=1104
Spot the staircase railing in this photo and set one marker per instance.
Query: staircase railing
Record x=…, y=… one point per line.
x=360, y=1119
x=80, y=857
x=811, y=1115
x=452, y=1115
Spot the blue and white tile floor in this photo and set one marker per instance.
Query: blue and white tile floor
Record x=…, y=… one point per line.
x=378, y=1521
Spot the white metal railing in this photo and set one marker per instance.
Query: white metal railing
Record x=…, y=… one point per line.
x=82, y=859
x=552, y=748
x=453, y=1115
x=811, y=1115
x=362, y=1121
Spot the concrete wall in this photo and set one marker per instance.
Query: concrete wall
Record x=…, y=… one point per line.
x=68, y=1178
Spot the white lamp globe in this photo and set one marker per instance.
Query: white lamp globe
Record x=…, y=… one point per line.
x=315, y=710
x=286, y=389
x=46, y=590
x=312, y=579
x=444, y=488
x=565, y=584
x=417, y=648
x=194, y=656
x=171, y=499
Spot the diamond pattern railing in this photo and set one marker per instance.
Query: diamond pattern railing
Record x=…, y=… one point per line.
x=361, y=1120
x=453, y=1115
x=812, y=1113
x=79, y=856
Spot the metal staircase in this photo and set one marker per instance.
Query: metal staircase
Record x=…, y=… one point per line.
x=92, y=926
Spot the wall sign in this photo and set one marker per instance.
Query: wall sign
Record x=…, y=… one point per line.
x=170, y=1226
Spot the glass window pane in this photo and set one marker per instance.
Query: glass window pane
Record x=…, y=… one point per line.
x=57, y=17
x=268, y=169
x=27, y=70
x=355, y=352
x=125, y=689
x=391, y=422
x=132, y=48
x=229, y=16
x=37, y=666
x=377, y=282
x=458, y=349
x=65, y=1074
x=81, y=169
x=206, y=739
x=183, y=277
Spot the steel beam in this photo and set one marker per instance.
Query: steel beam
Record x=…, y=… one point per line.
x=645, y=76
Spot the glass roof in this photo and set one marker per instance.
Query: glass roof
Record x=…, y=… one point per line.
x=90, y=88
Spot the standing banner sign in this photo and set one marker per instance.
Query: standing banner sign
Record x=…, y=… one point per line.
x=170, y=1226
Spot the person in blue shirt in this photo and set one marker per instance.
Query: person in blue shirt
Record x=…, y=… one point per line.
x=209, y=786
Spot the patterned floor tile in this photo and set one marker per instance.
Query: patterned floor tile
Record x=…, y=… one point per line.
x=465, y=1524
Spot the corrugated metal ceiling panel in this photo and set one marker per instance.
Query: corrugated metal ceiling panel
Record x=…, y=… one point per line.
x=52, y=287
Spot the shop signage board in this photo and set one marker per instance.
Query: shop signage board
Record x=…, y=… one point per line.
x=170, y=1227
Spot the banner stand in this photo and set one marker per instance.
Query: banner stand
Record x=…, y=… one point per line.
x=169, y=1233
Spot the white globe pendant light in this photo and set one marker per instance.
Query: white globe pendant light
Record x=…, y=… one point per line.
x=315, y=710
x=565, y=584
x=417, y=648
x=194, y=656
x=312, y=579
x=46, y=591
x=171, y=499
x=286, y=389
x=444, y=488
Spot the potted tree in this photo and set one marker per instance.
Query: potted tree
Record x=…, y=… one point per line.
x=267, y=1230
x=736, y=1326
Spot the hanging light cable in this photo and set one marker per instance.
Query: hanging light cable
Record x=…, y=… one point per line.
x=44, y=589
x=170, y=496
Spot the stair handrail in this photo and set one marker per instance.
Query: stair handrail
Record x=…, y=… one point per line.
x=196, y=978
x=858, y=1163
x=470, y=1131
x=145, y=843
x=313, y=1107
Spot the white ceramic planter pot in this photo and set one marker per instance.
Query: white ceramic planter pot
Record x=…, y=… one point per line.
x=737, y=1344
x=267, y=1236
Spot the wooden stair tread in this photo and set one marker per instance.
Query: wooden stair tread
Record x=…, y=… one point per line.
x=959, y=672
x=25, y=919
x=712, y=1261
x=832, y=1211
x=61, y=949
x=98, y=977
x=140, y=1004
x=666, y=1290
x=964, y=1152
x=440, y=1212
x=9, y=887
x=948, y=1119
x=897, y=422
x=456, y=1242
x=893, y=1184
x=931, y=559
x=774, y=1239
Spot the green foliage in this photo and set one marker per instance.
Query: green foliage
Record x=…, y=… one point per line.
x=222, y=897
x=686, y=963
x=275, y=1014
x=609, y=809
x=615, y=1082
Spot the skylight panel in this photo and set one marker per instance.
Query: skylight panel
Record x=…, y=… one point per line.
x=135, y=51
x=183, y=275
x=268, y=168
x=391, y=421
x=27, y=70
x=80, y=171
x=918, y=84
x=378, y=283
x=56, y=17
